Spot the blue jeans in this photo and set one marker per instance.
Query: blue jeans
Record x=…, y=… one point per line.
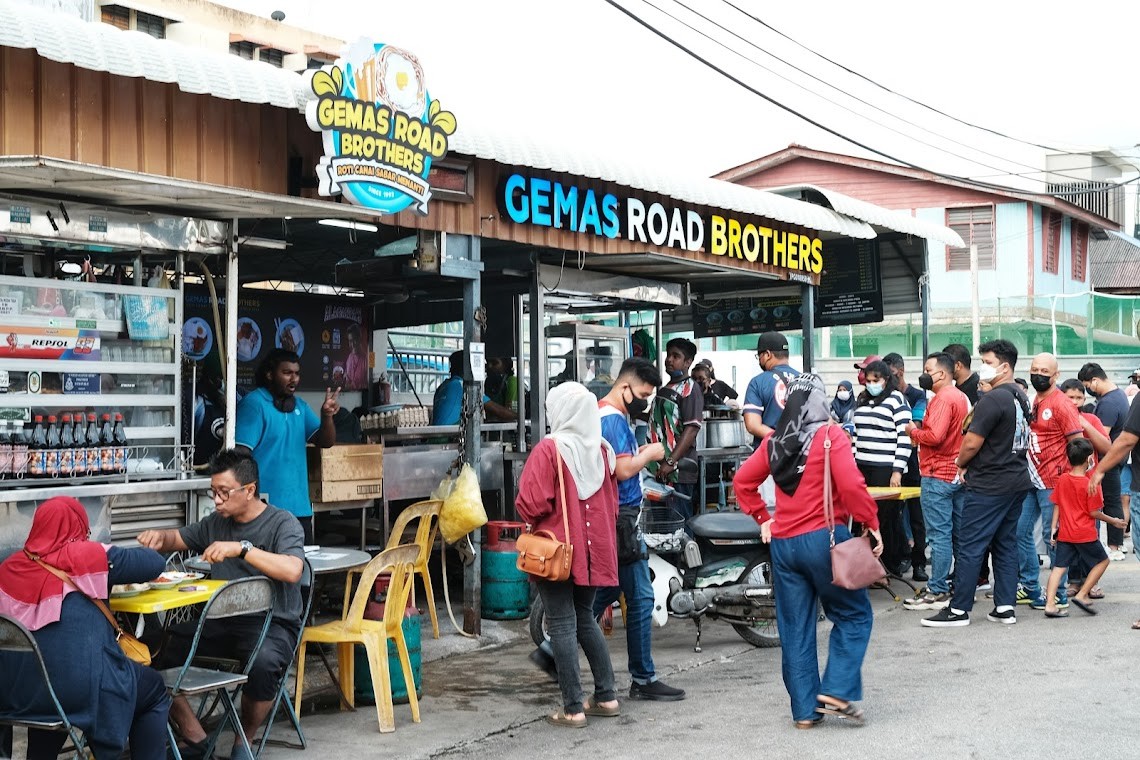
x=1134, y=510
x=802, y=577
x=1037, y=504
x=988, y=520
x=942, y=511
x=633, y=581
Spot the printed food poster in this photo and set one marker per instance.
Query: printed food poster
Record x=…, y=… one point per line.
x=331, y=337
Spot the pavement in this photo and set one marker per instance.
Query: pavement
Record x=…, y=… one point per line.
x=1042, y=689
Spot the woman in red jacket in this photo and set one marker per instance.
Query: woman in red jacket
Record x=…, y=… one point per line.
x=801, y=556
x=587, y=463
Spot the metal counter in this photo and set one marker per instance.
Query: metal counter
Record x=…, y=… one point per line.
x=707, y=457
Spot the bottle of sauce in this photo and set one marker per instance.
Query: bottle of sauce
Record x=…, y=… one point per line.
x=66, y=448
x=20, y=439
x=51, y=454
x=37, y=449
x=119, y=439
x=92, y=452
x=5, y=452
x=79, y=435
x=106, y=446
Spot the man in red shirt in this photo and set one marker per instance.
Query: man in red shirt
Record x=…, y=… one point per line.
x=1052, y=424
x=939, y=440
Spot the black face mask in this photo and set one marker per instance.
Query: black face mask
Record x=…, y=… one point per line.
x=926, y=382
x=285, y=404
x=635, y=405
x=1092, y=393
x=1040, y=383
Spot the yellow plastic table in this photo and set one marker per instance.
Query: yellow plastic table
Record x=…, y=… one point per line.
x=886, y=493
x=161, y=600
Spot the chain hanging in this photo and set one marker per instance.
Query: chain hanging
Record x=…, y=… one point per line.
x=464, y=421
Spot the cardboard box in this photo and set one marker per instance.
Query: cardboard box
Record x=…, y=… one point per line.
x=345, y=490
x=351, y=462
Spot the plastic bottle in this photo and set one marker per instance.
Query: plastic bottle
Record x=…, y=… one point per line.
x=37, y=449
x=5, y=452
x=119, y=438
x=66, y=448
x=51, y=455
x=20, y=439
x=106, y=446
x=92, y=453
x=79, y=438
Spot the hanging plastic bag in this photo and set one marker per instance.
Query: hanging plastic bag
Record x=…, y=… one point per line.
x=443, y=490
x=462, y=510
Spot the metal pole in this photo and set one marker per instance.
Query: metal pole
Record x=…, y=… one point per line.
x=537, y=357
x=520, y=349
x=231, y=335
x=924, y=294
x=473, y=400
x=975, y=307
x=658, y=336
x=807, y=296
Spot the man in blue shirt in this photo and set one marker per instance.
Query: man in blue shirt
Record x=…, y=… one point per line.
x=274, y=426
x=764, y=399
x=637, y=380
x=447, y=404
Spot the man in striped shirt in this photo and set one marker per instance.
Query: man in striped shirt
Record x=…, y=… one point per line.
x=939, y=440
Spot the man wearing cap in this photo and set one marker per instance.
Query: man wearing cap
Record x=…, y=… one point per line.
x=764, y=399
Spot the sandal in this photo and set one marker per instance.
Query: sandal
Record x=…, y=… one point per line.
x=1083, y=606
x=1096, y=593
x=560, y=718
x=593, y=708
x=804, y=725
x=1136, y=626
x=1058, y=614
x=846, y=710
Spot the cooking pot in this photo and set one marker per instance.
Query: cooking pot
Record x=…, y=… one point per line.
x=722, y=433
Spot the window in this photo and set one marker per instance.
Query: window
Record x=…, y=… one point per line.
x=1080, y=251
x=271, y=56
x=116, y=15
x=155, y=26
x=245, y=50
x=975, y=224
x=1051, y=253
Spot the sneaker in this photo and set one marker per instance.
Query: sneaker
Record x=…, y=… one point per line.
x=947, y=618
x=655, y=690
x=928, y=601
x=1007, y=618
x=1116, y=555
x=1024, y=597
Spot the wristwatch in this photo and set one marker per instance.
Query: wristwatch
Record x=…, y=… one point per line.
x=245, y=547
x=671, y=461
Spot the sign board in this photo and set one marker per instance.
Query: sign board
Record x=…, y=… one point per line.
x=747, y=316
x=48, y=343
x=851, y=289
x=85, y=382
x=380, y=127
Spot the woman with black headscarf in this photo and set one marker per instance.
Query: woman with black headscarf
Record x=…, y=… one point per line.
x=843, y=404
x=801, y=558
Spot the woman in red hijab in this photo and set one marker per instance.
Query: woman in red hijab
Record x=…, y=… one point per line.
x=109, y=697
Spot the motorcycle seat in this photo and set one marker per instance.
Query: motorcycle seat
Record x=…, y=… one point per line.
x=724, y=525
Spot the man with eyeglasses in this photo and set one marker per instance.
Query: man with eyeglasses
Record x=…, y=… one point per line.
x=243, y=537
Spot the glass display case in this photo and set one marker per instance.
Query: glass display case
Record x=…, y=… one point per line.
x=83, y=360
x=586, y=353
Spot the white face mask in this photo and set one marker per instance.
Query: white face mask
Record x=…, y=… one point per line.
x=986, y=373
x=843, y=395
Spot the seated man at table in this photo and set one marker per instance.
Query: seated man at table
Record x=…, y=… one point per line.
x=243, y=537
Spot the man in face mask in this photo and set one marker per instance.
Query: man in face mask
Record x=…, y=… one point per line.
x=1112, y=411
x=1053, y=423
x=636, y=383
x=675, y=421
x=913, y=522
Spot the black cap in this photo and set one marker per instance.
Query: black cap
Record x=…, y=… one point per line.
x=771, y=341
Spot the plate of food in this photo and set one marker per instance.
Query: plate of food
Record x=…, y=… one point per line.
x=171, y=578
x=123, y=590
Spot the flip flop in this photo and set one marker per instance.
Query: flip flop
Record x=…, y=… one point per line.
x=804, y=725
x=1096, y=593
x=844, y=710
x=593, y=708
x=561, y=719
x=1083, y=606
x=1056, y=614
x=1136, y=626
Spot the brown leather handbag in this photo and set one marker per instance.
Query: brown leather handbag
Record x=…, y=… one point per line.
x=541, y=554
x=132, y=647
x=853, y=563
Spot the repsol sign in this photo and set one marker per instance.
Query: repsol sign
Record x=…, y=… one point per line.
x=542, y=202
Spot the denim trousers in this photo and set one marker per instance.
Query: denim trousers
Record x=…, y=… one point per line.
x=942, y=511
x=802, y=578
x=1134, y=510
x=1110, y=488
x=1037, y=505
x=634, y=582
x=988, y=520
x=570, y=622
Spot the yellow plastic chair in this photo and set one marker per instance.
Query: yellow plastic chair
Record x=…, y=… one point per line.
x=427, y=512
x=399, y=561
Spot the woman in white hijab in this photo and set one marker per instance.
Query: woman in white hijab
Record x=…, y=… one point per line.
x=575, y=444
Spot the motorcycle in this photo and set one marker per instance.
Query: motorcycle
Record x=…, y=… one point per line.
x=711, y=566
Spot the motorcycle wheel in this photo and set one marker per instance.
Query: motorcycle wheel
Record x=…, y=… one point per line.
x=763, y=633
x=537, y=621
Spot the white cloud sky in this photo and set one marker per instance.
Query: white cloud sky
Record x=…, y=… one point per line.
x=586, y=75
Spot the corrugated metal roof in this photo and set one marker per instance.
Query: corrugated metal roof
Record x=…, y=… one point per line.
x=896, y=221
x=1114, y=264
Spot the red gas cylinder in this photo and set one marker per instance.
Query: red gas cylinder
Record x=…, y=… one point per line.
x=501, y=535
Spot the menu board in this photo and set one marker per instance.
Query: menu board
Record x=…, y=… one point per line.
x=747, y=316
x=850, y=290
x=331, y=335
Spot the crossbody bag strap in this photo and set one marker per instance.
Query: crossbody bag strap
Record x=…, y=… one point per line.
x=67, y=579
x=828, y=506
x=562, y=492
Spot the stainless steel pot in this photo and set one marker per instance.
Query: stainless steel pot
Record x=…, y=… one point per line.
x=722, y=433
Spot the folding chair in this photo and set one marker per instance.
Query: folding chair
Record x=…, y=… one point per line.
x=307, y=588
x=14, y=637
x=244, y=596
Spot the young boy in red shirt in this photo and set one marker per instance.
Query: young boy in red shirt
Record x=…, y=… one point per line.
x=1074, y=529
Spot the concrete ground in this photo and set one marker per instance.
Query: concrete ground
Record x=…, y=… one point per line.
x=1042, y=688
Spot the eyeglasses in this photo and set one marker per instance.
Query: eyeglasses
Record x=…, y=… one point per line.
x=224, y=495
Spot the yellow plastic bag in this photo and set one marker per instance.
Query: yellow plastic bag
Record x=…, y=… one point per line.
x=462, y=510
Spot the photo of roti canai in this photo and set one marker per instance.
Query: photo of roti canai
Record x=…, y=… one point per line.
x=395, y=78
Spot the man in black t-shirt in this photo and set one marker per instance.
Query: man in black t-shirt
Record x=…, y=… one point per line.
x=912, y=508
x=964, y=379
x=995, y=474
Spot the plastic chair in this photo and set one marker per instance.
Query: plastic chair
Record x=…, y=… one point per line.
x=373, y=634
x=14, y=637
x=427, y=512
x=307, y=588
x=244, y=596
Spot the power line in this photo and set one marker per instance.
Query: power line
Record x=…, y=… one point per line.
x=820, y=125
x=765, y=24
